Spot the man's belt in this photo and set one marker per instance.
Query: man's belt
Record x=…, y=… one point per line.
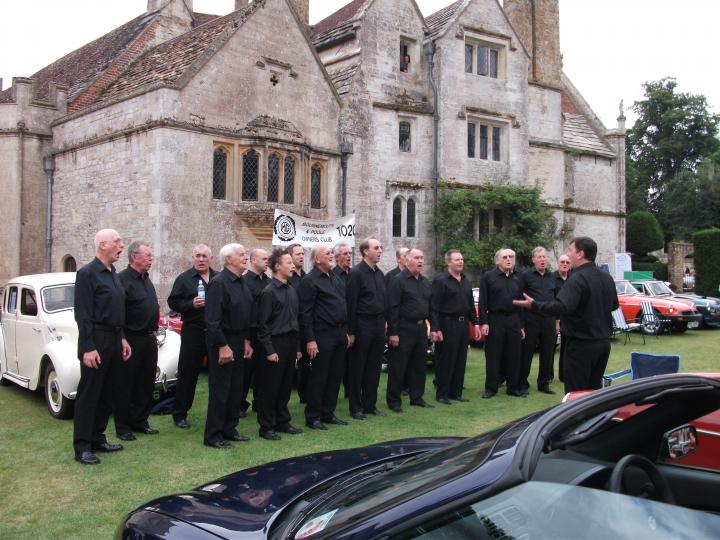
x=414, y=321
x=459, y=318
x=107, y=328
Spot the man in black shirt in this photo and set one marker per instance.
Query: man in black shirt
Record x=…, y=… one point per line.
x=134, y=388
x=297, y=253
x=279, y=338
x=323, y=325
x=501, y=324
x=256, y=280
x=540, y=331
x=451, y=307
x=102, y=347
x=186, y=300
x=408, y=309
x=366, y=326
x=227, y=317
x=585, y=305
x=561, y=275
x=343, y=257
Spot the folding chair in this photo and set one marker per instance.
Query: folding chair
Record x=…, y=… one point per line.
x=650, y=321
x=645, y=365
x=621, y=326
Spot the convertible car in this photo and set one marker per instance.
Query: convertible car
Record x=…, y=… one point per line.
x=38, y=341
x=573, y=471
x=708, y=306
x=679, y=314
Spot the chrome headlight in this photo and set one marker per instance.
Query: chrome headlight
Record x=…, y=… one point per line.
x=670, y=309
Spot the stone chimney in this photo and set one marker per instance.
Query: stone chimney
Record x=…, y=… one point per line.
x=537, y=23
x=176, y=18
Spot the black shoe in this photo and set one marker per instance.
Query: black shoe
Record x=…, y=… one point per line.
x=87, y=458
x=126, y=436
x=182, y=424
x=316, y=424
x=516, y=393
x=395, y=408
x=488, y=394
x=460, y=399
x=334, y=420
x=224, y=445
x=149, y=431
x=443, y=400
x=358, y=416
x=546, y=390
x=422, y=403
x=375, y=412
x=237, y=438
x=270, y=435
x=106, y=447
x=290, y=430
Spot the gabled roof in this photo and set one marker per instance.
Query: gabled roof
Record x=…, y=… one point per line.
x=579, y=136
x=342, y=15
x=438, y=20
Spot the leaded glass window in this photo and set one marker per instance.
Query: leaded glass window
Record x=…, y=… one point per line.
x=404, y=136
x=219, y=173
x=493, y=63
x=250, y=176
x=468, y=58
x=496, y=144
x=397, y=218
x=482, y=60
x=289, y=187
x=471, y=139
x=315, y=186
x=273, y=187
x=483, y=142
x=410, y=218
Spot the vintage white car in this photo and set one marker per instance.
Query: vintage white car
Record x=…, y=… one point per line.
x=38, y=341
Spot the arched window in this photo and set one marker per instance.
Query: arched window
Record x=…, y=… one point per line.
x=69, y=264
x=315, y=186
x=397, y=218
x=410, y=227
x=219, y=173
x=273, y=187
x=250, y=176
x=289, y=187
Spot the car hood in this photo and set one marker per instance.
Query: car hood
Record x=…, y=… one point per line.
x=240, y=505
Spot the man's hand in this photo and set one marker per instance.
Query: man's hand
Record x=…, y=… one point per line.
x=351, y=340
x=522, y=333
x=478, y=333
x=394, y=341
x=126, y=350
x=557, y=327
x=312, y=349
x=273, y=357
x=225, y=355
x=527, y=303
x=436, y=337
x=91, y=359
x=247, y=355
x=198, y=302
x=485, y=330
x=298, y=355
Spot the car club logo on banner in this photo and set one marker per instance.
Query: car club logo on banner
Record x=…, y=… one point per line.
x=290, y=228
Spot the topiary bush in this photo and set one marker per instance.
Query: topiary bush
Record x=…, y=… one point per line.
x=707, y=261
x=643, y=233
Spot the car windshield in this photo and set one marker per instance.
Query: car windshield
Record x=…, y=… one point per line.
x=658, y=288
x=547, y=510
x=58, y=297
x=624, y=287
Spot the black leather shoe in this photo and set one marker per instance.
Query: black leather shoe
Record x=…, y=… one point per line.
x=487, y=394
x=395, y=408
x=237, y=438
x=224, y=445
x=106, y=447
x=358, y=416
x=182, y=424
x=516, y=393
x=149, y=431
x=335, y=420
x=87, y=458
x=422, y=403
x=290, y=430
x=375, y=412
x=546, y=390
x=460, y=399
x=443, y=400
x=316, y=424
x=270, y=435
x=126, y=436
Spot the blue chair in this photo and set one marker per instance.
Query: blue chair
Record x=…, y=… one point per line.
x=645, y=365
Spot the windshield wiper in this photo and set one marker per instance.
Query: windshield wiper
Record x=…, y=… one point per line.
x=585, y=430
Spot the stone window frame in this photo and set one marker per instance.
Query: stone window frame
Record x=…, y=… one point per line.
x=407, y=45
x=282, y=157
x=322, y=164
x=229, y=165
x=496, y=131
x=397, y=216
x=400, y=222
x=477, y=41
x=411, y=201
x=410, y=121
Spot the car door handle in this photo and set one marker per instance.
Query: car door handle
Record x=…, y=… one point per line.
x=37, y=330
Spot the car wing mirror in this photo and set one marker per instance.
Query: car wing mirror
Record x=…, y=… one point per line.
x=680, y=442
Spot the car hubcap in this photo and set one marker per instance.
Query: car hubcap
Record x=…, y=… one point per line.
x=53, y=392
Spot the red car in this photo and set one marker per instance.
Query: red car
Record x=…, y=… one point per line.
x=171, y=321
x=678, y=312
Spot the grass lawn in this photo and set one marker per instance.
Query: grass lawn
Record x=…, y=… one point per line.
x=46, y=494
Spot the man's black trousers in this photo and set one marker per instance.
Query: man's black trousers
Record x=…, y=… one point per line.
x=192, y=350
x=135, y=384
x=502, y=351
x=408, y=363
x=540, y=335
x=273, y=383
x=325, y=373
x=225, y=384
x=585, y=363
x=366, y=363
x=451, y=357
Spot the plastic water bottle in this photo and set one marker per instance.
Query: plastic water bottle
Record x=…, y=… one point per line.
x=201, y=289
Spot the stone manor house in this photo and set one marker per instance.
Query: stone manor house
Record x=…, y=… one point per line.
x=181, y=127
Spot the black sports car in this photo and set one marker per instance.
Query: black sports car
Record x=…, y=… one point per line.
x=578, y=470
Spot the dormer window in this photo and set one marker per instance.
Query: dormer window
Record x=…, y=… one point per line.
x=405, y=58
x=485, y=58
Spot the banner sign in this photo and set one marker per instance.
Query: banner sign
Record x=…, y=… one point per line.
x=290, y=228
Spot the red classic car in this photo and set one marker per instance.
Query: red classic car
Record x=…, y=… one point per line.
x=678, y=312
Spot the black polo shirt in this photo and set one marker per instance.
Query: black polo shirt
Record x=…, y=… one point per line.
x=255, y=283
x=296, y=278
x=365, y=294
x=183, y=292
x=142, y=308
x=451, y=298
x=408, y=299
x=344, y=275
x=540, y=287
x=322, y=302
x=278, y=308
x=227, y=308
x=497, y=292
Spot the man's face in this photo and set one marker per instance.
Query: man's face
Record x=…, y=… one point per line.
x=201, y=258
x=298, y=257
x=284, y=268
x=324, y=258
x=415, y=262
x=112, y=247
x=342, y=259
x=401, y=259
x=540, y=261
x=576, y=257
x=506, y=260
x=143, y=259
x=260, y=262
x=456, y=264
x=374, y=251
x=238, y=260
x=564, y=263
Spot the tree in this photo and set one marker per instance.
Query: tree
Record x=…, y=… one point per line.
x=706, y=244
x=673, y=133
x=643, y=233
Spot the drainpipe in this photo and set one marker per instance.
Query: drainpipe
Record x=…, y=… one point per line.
x=49, y=168
x=429, y=49
x=346, y=149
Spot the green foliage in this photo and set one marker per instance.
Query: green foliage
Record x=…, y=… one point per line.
x=643, y=233
x=707, y=261
x=659, y=269
x=527, y=223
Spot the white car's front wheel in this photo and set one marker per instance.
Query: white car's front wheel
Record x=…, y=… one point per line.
x=58, y=405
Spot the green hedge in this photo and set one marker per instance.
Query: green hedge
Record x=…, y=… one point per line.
x=707, y=261
x=643, y=233
x=659, y=269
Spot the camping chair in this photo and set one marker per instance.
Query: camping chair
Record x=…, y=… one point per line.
x=650, y=321
x=621, y=326
x=645, y=365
